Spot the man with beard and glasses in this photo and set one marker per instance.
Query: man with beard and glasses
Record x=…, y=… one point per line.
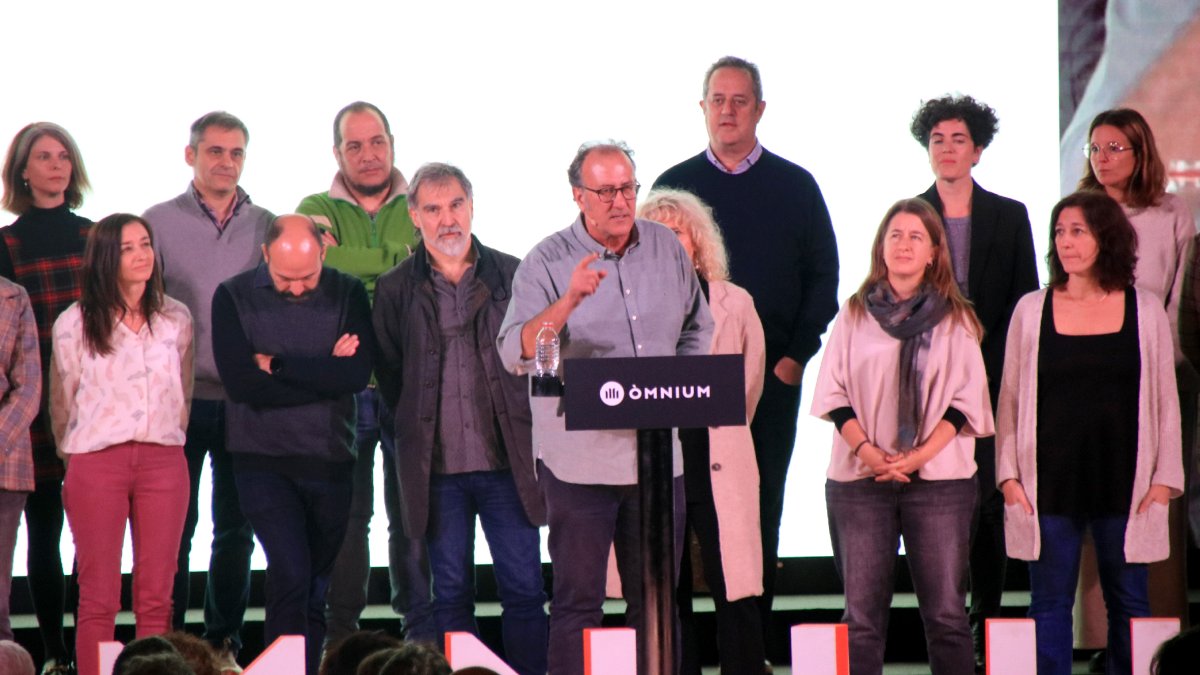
x=463, y=442
x=204, y=236
x=293, y=344
x=367, y=230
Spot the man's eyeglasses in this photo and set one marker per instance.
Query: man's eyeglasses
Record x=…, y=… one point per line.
x=1107, y=150
x=608, y=194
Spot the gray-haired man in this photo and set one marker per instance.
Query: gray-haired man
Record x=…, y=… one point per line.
x=207, y=234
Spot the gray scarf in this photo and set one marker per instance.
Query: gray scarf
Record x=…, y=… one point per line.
x=911, y=322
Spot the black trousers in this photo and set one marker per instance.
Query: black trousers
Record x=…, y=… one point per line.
x=774, y=433
x=989, y=559
x=739, y=625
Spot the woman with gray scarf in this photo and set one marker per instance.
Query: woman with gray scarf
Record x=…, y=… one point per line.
x=902, y=378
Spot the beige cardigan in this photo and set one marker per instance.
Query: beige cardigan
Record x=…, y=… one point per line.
x=732, y=463
x=861, y=369
x=1159, y=460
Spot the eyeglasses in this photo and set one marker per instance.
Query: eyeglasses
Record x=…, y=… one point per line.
x=1107, y=150
x=608, y=194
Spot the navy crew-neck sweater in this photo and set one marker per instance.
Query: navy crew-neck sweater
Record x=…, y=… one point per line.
x=780, y=242
x=300, y=418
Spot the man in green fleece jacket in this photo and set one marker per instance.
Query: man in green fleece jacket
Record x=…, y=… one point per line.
x=367, y=231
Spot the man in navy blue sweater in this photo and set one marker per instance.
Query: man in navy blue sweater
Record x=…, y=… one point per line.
x=781, y=249
x=293, y=343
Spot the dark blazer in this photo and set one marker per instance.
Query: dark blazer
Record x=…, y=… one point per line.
x=1003, y=268
x=409, y=371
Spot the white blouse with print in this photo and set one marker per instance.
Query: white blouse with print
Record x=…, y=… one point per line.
x=140, y=392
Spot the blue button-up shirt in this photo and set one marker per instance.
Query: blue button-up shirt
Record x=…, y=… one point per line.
x=649, y=304
x=742, y=166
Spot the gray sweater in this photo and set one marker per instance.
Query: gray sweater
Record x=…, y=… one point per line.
x=196, y=256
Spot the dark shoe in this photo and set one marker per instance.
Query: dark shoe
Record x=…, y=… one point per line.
x=1099, y=662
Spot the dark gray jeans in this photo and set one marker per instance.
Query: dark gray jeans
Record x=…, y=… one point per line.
x=585, y=521
x=408, y=561
x=866, y=521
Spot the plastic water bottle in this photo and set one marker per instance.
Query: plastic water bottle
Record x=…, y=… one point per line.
x=546, y=351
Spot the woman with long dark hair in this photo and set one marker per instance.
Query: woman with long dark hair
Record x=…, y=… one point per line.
x=1088, y=429
x=903, y=380
x=121, y=382
x=44, y=181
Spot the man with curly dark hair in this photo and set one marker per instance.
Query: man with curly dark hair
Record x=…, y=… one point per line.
x=991, y=250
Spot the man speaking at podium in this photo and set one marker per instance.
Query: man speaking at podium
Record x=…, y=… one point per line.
x=612, y=286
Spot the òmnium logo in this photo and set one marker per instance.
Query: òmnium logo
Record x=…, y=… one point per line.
x=612, y=393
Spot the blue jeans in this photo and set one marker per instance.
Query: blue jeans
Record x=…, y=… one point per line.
x=1052, y=580
x=408, y=562
x=227, y=590
x=585, y=521
x=454, y=502
x=301, y=523
x=866, y=521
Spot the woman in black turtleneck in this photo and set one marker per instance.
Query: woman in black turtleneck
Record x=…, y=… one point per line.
x=44, y=179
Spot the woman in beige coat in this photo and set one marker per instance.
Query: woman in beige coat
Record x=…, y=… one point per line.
x=720, y=472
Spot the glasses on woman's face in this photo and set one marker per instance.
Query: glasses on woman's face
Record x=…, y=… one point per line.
x=1107, y=150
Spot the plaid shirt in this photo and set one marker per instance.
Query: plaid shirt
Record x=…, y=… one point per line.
x=20, y=387
x=53, y=283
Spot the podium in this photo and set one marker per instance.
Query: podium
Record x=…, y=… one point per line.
x=654, y=395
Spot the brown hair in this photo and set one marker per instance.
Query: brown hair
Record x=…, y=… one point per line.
x=1115, y=237
x=1148, y=183
x=198, y=653
x=939, y=275
x=18, y=198
x=100, y=298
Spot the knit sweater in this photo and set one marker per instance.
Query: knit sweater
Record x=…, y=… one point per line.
x=1159, y=454
x=43, y=251
x=780, y=242
x=196, y=256
x=302, y=414
x=367, y=246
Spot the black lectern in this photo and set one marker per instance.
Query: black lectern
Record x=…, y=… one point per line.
x=654, y=395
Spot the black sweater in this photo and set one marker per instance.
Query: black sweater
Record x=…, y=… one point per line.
x=304, y=410
x=780, y=242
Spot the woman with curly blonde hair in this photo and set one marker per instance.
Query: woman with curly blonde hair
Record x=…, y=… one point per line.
x=720, y=472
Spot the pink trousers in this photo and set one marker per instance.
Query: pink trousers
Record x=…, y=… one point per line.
x=142, y=484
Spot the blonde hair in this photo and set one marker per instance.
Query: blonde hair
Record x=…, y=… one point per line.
x=689, y=213
x=939, y=275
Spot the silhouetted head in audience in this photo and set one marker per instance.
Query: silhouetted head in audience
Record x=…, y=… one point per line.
x=1179, y=655
x=14, y=659
x=146, y=646
x=374, y=663
x=198, y=653
x=475, y=670
x=345, y=656
x=171, y=663
x=416, y=658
